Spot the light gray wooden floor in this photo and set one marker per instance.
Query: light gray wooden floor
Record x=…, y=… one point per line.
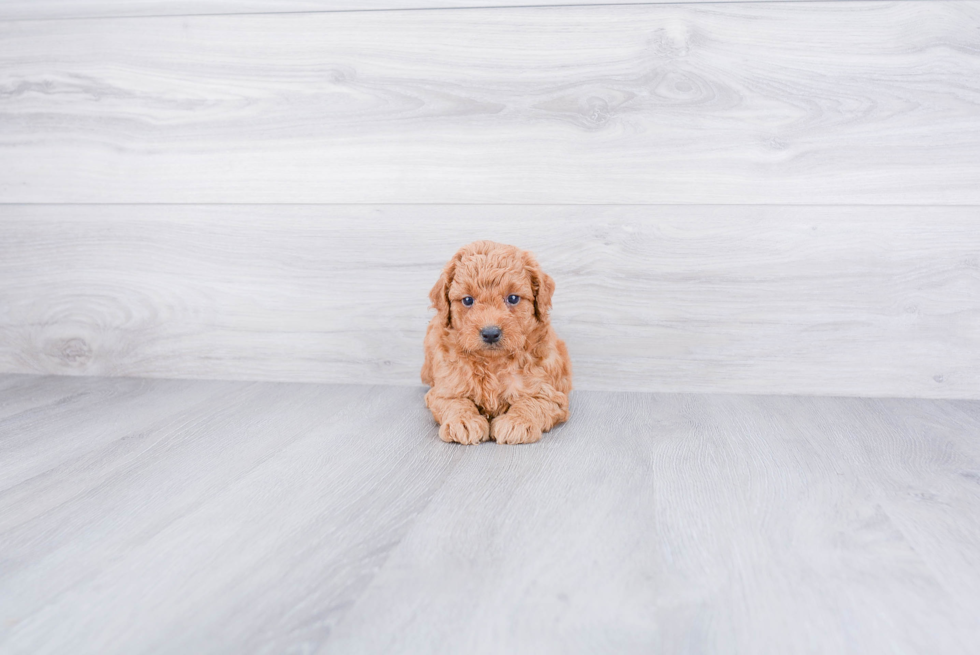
x=191, y=516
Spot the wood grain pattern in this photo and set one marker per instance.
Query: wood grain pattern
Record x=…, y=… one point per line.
x=929, y=483
x=61, y=9
x=22, y=393
x=706, y=524
x=879, y=301
x=280, y=500
x=305, y=518
x=793, y=103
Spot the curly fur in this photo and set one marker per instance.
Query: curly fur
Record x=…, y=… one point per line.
x=511, y=391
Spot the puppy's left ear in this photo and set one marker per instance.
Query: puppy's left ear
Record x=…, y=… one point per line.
x=542, y=285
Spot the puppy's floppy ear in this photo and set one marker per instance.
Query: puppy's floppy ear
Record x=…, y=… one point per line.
x=440, y=292
x=542, y=285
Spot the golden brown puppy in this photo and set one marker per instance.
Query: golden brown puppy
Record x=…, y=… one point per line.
x=496, y=367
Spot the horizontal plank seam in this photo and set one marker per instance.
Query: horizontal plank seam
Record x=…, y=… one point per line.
x=477, y=204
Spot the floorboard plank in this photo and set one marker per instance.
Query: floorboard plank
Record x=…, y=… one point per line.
x=38, y=440
x=791, y=103
x=927, y=472
x=20, y=393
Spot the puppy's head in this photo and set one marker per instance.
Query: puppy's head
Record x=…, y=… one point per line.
x=492, y=297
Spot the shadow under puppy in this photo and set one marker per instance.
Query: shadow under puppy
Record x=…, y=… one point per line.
x=496, y=367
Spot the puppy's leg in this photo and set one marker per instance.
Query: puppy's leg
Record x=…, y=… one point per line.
x=459, y=419
x=528, y=418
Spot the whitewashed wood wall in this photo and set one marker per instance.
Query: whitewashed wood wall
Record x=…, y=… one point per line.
x=775, y=197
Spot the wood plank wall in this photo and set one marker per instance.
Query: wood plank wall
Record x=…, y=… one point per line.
x=777, y=197
x=758, y=103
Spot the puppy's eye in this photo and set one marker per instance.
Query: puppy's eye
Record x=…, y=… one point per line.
x=513, y=299
x=467, y=301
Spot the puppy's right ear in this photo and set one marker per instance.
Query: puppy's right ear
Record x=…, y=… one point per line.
x=440, y=292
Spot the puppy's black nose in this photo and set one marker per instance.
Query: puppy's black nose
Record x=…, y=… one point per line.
x=491, y=334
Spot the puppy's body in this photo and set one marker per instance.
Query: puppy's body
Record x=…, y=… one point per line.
x=496, y=367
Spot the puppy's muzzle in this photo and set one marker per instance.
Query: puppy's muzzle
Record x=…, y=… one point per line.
x=491, y=334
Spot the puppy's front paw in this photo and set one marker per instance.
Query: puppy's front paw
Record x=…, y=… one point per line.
x=465, y=429
x=512, y=429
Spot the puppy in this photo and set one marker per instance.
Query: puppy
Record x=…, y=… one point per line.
x=496, y=367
